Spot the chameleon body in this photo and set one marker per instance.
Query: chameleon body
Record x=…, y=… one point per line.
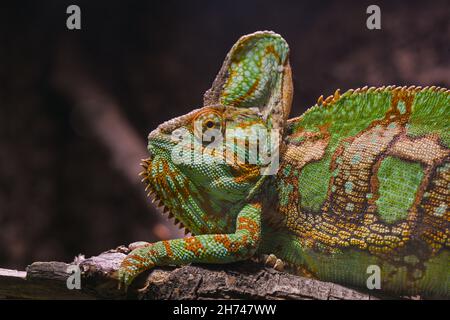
x=363, y=180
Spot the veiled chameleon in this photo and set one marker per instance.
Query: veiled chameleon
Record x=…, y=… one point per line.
x=363, y=179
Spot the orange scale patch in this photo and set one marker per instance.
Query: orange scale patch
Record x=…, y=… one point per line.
x=224, y=240
x=249, y=225
x=194, y=245
x=168, y=248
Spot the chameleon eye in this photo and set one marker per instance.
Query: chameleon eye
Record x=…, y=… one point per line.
x=207, y=119
x=209, y=124
x=211, y=121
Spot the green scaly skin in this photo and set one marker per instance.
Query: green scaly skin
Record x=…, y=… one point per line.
x=364, y=179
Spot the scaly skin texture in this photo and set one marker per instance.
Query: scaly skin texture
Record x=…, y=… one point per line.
x=364, y=179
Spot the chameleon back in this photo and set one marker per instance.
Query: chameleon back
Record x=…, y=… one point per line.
x=365, y=181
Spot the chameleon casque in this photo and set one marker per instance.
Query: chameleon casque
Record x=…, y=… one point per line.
x=363, y=179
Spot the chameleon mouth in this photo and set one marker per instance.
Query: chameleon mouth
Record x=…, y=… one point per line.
x=157, y=198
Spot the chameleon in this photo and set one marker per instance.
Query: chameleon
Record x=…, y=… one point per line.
x=362, y=179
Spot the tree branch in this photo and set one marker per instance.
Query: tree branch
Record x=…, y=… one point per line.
x=244, y=280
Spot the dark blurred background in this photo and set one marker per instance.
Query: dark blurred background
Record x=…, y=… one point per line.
x=76, y=106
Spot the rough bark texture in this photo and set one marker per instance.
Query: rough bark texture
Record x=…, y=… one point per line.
x=245, y=280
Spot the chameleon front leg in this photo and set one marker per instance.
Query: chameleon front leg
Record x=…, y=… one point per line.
x=207, y=248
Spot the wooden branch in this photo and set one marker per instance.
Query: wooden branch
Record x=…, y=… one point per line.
x=244, y=280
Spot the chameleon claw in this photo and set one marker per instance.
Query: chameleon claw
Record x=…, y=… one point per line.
x=272, y=261
x=144, y=288
x=121, y=282
x=279, y=265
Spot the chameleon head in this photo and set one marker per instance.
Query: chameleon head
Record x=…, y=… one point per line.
x=204, y=164
x=200, y=167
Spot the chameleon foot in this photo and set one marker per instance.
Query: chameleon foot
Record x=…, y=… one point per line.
x=135, y=263
x=273, y=262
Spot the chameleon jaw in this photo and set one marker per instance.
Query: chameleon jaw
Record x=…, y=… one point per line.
x=157, y=199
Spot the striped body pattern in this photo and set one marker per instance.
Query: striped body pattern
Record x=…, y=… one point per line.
x=363, y=179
